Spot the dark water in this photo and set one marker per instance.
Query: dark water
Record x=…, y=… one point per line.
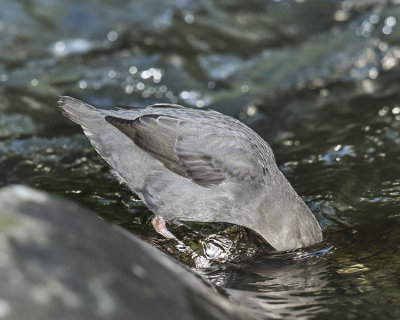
x=319, y=80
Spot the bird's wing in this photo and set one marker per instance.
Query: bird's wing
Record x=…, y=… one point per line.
x=204, y=154
x=156, y=105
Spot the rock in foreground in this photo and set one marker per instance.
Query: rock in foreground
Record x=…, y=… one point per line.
x=59, y=261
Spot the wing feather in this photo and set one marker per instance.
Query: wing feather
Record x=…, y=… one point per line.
x=206, y=155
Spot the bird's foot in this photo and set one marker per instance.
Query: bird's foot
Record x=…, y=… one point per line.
x=159, y=225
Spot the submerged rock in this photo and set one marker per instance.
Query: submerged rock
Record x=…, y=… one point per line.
x=57, y=260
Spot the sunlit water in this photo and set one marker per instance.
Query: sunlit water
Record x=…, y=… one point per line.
x=319, y=80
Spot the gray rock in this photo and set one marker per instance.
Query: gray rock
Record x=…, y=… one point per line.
x=59, y=261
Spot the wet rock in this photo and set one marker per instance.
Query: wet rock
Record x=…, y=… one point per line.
x=57, y=260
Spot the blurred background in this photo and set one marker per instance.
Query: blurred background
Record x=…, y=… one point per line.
x=318, y=80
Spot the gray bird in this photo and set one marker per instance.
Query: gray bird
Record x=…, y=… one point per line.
x=198, y=165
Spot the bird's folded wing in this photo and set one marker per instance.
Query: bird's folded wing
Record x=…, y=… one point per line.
x=205, y=154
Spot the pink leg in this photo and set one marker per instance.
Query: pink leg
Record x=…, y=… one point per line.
x=159, y=225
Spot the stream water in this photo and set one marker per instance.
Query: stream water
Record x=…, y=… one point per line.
x=318, y=80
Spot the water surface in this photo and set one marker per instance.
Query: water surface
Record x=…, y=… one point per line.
x=318, y=80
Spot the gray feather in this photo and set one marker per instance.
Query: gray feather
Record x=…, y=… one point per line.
x=194, y=153
x=197, y=165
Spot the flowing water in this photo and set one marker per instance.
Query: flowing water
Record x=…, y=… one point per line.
x=319, y=80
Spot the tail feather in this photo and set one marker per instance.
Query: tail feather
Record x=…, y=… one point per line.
x=113, y=146
x=78, y=111
x=93, y=123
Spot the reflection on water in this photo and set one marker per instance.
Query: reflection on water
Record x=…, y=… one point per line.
x=317, y=79
x=276, y=287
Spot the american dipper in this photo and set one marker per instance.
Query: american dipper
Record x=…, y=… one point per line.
x=198, y=165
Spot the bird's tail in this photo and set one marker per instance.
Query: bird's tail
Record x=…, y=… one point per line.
x=112, y=145
x=78, y=111
x=91, y=119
